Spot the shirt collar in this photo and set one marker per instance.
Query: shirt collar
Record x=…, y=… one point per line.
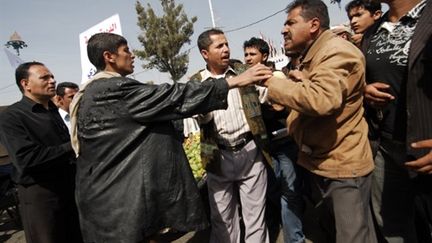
x=206, y=74
x=36, y=106
x=411, y=17
x=316, y=46
x=63, y=113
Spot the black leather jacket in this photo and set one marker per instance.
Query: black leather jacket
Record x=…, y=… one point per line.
x=133, y=178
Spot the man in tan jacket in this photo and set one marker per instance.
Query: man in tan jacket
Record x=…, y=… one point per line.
x=326, y=120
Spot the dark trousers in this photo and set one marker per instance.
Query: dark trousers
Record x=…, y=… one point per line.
x=48, y=213
x=401, y=199
x=344, y=206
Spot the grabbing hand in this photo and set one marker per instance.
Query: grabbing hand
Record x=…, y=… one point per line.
x=376, y=94
x=276, y=75
x=252, y=75
x=423, y=164
x=356, y=39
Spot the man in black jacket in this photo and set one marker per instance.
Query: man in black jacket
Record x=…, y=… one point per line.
x=133, y=178
x=40, y=150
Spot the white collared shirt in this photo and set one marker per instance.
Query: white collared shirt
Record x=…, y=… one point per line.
x=66, y=118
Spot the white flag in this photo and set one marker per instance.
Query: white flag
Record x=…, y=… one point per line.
x=14, y=60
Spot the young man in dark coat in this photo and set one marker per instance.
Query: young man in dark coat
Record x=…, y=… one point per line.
x=133, y=178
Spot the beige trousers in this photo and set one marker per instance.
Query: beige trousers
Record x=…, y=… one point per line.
x=242, y=180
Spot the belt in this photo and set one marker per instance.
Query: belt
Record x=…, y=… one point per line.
x=246, y=138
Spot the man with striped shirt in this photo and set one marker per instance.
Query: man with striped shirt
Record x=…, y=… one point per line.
x=239, y=171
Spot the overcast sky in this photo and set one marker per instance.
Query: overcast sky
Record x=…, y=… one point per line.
x=51, y=30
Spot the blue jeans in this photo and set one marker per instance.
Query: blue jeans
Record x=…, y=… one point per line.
x=289, y=177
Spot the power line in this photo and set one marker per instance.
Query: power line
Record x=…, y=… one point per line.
x=5, y=87
x=256, y=22
x=7, y=92
x=233, y=30
x=245, y=26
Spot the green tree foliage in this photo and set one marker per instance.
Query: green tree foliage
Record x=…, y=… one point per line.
x=163, y=37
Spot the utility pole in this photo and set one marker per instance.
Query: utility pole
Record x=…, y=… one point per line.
x=211, y=13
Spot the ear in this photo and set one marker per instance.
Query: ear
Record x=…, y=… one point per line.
x=204, y=54
x=109, y=57
x=58, y=100
x=265, y=57
x=377, y=15
x=315, y=25
x=24, y=85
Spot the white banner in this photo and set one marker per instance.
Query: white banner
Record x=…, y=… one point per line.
x=14, y=60
x=110, y=25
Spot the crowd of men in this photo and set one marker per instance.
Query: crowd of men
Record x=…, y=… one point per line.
x=346, y=127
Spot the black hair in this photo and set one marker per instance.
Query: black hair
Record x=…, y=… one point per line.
x=312, y=9
x=101, y=42
x=22, y=72
x=61, y=87
x=257, y=43
x=370, y=6
x=204, y=40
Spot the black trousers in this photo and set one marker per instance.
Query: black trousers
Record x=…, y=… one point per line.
x=344, y=208
x=49, y=213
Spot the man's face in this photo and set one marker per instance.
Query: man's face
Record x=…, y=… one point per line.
x=123, y=60
x=65, y=100
x=218, y=54
x=296, y=31
x=361, y=19
x=40, y=85
x=253, y=56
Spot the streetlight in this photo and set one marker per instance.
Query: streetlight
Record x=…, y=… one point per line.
x=16, y=42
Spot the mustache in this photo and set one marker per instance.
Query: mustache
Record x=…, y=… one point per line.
x=287, y=35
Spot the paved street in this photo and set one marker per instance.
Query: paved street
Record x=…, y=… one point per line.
x=11, y=233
